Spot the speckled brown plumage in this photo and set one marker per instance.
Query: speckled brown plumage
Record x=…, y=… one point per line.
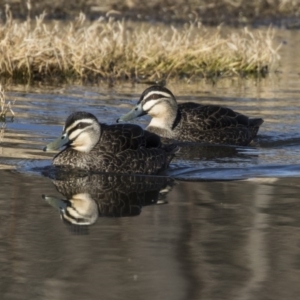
x=210, y=124
x=192, y=122
x=120, y=149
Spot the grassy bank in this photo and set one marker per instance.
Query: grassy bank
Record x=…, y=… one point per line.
x=118, y=50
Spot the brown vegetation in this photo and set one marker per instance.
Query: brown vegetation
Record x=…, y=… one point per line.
x=121, y=50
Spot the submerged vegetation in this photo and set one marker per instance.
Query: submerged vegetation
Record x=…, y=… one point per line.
x=5, y=107
x=104, y=48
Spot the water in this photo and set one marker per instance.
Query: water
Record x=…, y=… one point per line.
x=225, y=227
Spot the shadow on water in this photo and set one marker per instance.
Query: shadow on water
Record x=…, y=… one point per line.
x=105, y=195
x=213, y=240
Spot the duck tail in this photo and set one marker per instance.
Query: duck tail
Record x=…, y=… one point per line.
x=171, y=150
x=254, y=126
x=256, y=122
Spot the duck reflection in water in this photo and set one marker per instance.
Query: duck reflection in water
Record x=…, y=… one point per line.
x=107, y=195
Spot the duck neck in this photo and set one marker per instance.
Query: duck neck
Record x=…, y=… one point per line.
x=164, y=120
x=165, y=124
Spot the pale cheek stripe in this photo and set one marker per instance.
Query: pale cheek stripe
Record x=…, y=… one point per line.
x=148, y=105
x=74, y=134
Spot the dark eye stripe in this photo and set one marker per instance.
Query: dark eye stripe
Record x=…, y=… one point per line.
x=80, y=125
x=155, y=92
x=155, y=97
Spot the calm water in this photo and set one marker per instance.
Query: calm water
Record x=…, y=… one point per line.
x=201, y=235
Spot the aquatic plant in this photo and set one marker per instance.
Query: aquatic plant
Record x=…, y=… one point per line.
x=120, y=50
x=2, y=130
x=5, y=106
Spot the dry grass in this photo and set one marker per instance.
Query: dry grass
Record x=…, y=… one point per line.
x=118, y=50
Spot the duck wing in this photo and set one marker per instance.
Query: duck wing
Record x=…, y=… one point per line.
x=208, y=117
x=140, y=161
x=120, y=137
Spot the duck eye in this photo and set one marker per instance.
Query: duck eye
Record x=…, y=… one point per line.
x=80, y=125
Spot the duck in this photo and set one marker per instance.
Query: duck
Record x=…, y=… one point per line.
x=193, y=122
x=90, y=145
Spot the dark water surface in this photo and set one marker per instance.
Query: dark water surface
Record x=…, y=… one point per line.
x=225, y=227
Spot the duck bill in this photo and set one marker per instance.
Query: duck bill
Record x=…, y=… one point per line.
x=136, y=112
x=58, y=143
x=55, y=202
